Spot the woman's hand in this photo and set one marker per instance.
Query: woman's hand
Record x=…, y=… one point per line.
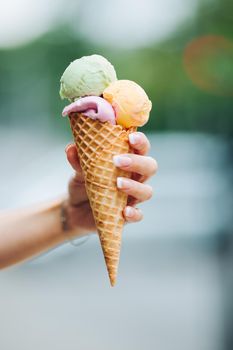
x=142, y=167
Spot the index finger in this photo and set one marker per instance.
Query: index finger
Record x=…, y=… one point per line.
x=139, y=143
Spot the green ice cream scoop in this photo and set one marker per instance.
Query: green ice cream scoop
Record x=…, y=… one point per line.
x=86, y=76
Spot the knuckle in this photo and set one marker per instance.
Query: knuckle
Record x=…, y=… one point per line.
x=76, y=181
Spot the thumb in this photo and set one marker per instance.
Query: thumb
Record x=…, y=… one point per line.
x=72, y=157
x=77, y=189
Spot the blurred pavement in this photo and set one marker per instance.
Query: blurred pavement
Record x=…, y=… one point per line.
x=169, y=291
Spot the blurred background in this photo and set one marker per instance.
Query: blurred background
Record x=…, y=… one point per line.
x=175, y=280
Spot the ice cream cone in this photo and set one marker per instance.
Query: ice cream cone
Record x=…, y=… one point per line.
x=97, y=143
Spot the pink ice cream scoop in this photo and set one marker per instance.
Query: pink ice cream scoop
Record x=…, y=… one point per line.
x=93, y=107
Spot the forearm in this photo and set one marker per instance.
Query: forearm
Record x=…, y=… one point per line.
x=28, y=232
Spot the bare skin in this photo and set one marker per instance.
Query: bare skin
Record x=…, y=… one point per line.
x=28, y=232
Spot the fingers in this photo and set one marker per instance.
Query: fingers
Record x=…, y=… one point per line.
x=72, y=157
x=77, y=190
x=141, y=192
x=132, y=214
x=139, y=143
x=135, y=163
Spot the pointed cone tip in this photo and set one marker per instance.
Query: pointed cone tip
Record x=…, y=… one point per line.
x=112, y=281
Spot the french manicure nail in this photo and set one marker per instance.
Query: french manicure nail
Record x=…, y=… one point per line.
x=129, y=212
x=122, y=161
x=134, y=138
x=67, y=147
x=122, y=182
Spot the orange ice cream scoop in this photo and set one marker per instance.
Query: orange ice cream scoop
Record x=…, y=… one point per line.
x=129, y=101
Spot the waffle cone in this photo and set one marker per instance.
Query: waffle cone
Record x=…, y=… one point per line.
x=97, y=143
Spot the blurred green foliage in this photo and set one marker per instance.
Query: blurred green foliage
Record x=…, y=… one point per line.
x=30, y=76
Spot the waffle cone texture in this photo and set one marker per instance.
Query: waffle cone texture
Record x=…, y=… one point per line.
x=96, y=144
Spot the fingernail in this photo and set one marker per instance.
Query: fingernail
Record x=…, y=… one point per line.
x=129, y=212
x=67, y=147
x=134, y=138
x=122, y=160
x=122, y=182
